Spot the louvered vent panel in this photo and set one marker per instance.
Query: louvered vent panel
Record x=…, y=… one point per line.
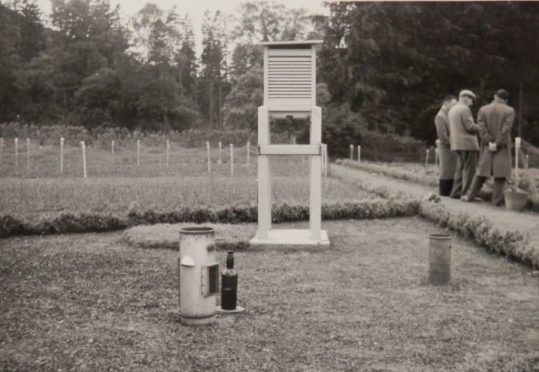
x=290, y=77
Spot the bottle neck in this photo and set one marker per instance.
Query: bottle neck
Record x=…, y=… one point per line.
x=230, y=260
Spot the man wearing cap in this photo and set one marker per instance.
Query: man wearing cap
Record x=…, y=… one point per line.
x=463, y=141
x=496, y=120
x=448, y=159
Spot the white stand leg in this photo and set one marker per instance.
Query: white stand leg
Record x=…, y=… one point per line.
x=315, y=210
x=264, y=176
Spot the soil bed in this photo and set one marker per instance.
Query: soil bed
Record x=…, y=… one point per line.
x=90, y=302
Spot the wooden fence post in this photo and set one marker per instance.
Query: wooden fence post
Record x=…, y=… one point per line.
x=351, y=152
x=231, y=160
x=220, y=148
x=83, y=146
x=138, y=153
x=1, y=147
x=16, y=154
x=28, y=154
x=61, y=155
x=358, y=153
x=168, y=150
x=248, y=153
x=209, y=157
x=518, y=141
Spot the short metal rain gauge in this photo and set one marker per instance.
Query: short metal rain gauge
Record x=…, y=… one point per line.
x=229, y=288
x=198, y=275
x=290, y=91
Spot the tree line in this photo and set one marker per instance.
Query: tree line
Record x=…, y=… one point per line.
x=383, y=67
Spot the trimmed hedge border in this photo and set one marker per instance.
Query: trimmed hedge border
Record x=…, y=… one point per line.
x=99, y=222
x=510, y=243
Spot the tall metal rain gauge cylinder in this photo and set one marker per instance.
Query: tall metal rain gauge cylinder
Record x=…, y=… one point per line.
x=198, y=275
x=439, y=259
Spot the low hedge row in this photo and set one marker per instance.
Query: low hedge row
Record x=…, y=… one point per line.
x=480, y=229
x=100, y=222
x=510, y=243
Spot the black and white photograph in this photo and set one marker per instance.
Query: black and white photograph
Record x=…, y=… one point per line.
x=269, y=185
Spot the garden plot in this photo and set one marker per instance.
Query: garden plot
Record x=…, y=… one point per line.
x=91, y=302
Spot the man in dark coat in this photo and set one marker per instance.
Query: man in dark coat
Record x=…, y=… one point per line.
x=463, y=141
x=448, y=159
x=495, y=120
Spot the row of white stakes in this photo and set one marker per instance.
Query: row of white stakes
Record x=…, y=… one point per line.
x=518, y=142
x=358, y=153
x=83, y=149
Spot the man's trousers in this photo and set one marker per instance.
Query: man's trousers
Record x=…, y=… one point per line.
x=497, y=189
x=465, y=172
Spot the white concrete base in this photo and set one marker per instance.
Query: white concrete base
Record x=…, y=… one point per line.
x=237, y=310
x=290, y=239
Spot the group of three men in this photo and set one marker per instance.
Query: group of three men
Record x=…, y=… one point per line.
x=465, y=161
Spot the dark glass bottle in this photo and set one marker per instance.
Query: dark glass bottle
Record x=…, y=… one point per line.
x=229, y=284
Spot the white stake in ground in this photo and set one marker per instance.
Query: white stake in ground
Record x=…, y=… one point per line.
x=351, y=152
x=168, y=150
x=28, y=154
x=112, y=147
x=138, y=153
x=527, y=160
x=518, y=142
x=436, y=157
x=231, y=160
x=1, y=147
x=209, y=157
x=16, y=153
x=220, y=148
x=83, y=147
x=248, y=153
x=426, y=157
x=62, y=155
x=358, y=153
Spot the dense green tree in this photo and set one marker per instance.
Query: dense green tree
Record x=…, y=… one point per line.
x=213, y=67
x=241, y=104
x=399, y=60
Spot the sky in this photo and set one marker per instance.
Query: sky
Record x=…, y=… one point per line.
x=194, y=8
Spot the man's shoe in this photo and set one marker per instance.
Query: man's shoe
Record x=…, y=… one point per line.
x=465, y=198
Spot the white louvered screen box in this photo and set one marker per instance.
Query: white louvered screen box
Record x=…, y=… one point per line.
x=290, y=90
x=290, y=75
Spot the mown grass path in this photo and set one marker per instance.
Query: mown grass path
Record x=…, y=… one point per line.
x=523, y=222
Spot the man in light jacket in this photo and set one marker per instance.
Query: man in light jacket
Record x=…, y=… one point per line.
x=448, y=159
x=463, y=141
x=496, y=120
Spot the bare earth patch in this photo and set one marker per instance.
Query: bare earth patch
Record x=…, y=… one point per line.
x=90, y=302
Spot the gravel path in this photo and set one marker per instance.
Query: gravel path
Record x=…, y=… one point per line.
x=525, y=222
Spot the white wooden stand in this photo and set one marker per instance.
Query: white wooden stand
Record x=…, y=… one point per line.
x=290, y=90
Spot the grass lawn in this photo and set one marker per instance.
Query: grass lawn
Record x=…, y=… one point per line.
x=27, y=196
x=89, y=302
x=113, y=184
